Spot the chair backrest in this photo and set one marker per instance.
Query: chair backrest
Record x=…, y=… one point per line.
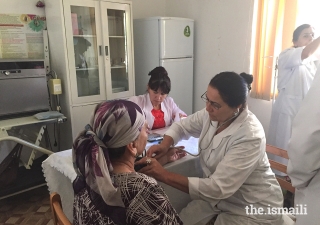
x=59, y=218
x=279, y=166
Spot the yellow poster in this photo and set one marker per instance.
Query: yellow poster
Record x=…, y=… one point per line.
x=21, y=36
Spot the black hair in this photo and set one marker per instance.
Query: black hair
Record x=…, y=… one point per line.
x=298, y=30
x=159, y=79
x=233, y=88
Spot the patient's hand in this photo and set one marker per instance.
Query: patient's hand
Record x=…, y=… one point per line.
x=172, y=155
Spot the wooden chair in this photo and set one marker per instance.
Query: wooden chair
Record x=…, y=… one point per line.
x=279, y=166
x=59, y=218
x=288, y=219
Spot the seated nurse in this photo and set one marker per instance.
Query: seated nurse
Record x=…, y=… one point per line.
x=160, y=109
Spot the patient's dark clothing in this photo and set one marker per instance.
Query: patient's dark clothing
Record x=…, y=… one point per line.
x=145, y=203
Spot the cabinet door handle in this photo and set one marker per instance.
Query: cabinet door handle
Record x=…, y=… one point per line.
x=106, y=50
x=100, y=50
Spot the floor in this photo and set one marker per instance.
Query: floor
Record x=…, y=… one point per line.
x=28, y=208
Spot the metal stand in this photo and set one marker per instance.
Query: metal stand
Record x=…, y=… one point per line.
x=29, y=179
x=8, y=124
x=37, y=143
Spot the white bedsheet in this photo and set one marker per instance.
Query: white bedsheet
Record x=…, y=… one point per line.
x=59, y=174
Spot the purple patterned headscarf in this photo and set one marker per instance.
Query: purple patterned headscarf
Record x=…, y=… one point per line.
x=113, y=124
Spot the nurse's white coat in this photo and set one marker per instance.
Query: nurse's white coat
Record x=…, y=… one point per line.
x=304, y=155
x=236, y=171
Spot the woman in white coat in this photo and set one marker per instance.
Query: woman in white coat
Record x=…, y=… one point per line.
x=160, y=109
x=237, y=179
x=304, y=156
x=296, y=72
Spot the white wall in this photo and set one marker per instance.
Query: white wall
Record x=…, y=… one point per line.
x=20, y=6
x=222, y=40
x=262, y=109
x=148, y=8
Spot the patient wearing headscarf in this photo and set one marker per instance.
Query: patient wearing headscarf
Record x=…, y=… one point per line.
x=107, y=189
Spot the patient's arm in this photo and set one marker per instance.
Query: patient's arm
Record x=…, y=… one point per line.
x=172, y=155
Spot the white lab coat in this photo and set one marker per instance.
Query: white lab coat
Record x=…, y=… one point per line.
x=304, y=155
x=294, y=79
x=168, y=106
x=236, y=171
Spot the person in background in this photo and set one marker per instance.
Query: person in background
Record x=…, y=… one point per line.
x=81, y=45
x=160, y=109
x=304, y=156
x=236, y=171
x=107, y=189
x=296, y=71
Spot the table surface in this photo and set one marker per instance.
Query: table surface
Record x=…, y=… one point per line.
x=62, y=161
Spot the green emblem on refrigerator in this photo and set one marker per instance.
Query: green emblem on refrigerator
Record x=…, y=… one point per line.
x=187, y=31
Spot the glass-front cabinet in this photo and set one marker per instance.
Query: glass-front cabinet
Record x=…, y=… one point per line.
x=85, y=77
x=91, y=51
x=119, y=40
x=100, y=50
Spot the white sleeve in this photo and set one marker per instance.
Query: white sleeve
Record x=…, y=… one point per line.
x=190, y=126
x=176, y=111
x=240, y=161
x=304, y=145
x=290, y=58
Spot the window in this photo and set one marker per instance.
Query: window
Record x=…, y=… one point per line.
x=275, y=22
x=308, y=12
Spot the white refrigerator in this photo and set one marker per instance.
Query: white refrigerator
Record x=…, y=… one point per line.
x=167, y=42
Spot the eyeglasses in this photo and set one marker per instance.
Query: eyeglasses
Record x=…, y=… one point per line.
x=206, y=100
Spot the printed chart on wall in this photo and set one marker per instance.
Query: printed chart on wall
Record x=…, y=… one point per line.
x=21, y=36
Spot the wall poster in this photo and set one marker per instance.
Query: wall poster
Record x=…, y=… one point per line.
x=21, y=36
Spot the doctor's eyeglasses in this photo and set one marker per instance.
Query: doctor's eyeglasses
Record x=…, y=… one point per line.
x=206, y=100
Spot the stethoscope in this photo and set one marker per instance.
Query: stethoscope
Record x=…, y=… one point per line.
x=236, y=114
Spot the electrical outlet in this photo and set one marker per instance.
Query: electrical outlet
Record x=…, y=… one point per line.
x=55, y=86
